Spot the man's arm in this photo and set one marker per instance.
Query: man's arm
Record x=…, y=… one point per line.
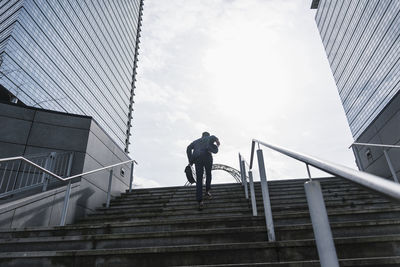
x=189, y=152
x=215, y=140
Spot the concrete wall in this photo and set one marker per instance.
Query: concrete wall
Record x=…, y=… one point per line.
x=29, y=131
x=384, y=130
x=102, y=151
x=43, y=209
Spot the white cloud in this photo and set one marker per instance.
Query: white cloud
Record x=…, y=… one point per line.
x=140, y=182
x=240, y=69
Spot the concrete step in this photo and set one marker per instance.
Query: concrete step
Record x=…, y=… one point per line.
x=194, y=236
x=295, y=217
x=137, y=227
x=240, y=192
x=238, y=189
x=372, y=262
x=153, y=229
x=253, y=252
x=275, y=183
x=222, y=187
x=234, y=197
x=135, y=240
x=172, y=214
x=162, y=227
x=340, y=229
x=211, y=206
x=289, y=202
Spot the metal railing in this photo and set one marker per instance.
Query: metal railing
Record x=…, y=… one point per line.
x=41, y=170
x=385, y=153
x=319, y=218
x=17, y=175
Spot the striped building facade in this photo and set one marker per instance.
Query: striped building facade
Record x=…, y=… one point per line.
x=362, y=43
x=72, y=56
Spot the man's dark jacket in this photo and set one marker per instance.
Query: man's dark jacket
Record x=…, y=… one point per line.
x=201, y=146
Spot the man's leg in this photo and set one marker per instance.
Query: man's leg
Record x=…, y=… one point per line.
x=199, y=180
x=208, y=166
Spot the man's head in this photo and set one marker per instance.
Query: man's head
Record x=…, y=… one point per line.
x=205, y=134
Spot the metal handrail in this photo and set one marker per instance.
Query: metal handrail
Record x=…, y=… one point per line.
x=376, y=145
x=370, y=181
x=70, y=177
x=318, y=214
x=245, y=161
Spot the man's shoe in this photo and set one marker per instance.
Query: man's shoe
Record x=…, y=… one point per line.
x=208, y=194
x=201, y=204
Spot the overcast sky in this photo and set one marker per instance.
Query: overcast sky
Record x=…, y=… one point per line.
x=240, y=69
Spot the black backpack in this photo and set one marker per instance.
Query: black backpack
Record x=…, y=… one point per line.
x=189, y=174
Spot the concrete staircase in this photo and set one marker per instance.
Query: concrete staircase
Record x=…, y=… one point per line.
x=162, y=227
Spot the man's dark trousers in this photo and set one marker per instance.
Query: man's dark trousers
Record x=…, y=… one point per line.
x=205, y=161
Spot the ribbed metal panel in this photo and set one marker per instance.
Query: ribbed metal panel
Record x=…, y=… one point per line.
x=362, y=41
x=74, y=56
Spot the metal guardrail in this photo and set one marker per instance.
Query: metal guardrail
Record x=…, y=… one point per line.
x=377, y=145
x=44, y=171
x=319, y=218
x=17, y=175
x=385, y=153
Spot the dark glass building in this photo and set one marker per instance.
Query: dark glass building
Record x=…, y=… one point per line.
x=72, y=56
x=361, y=39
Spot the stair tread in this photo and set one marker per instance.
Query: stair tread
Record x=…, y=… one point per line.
x=306, y=263
x=199, y=247
x=164, y=222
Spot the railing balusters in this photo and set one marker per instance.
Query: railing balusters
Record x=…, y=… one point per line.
x=36, y=174
x=22, y=175
x=69, y=166
x=9, y=177
x=4, y=174
x=16, y=175
x=32, y=175
x=64, y=165
x=58, y=164
x=29, y=174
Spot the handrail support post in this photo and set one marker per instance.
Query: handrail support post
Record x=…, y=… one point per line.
x=252, y=194
x=320, y=223
x=131, y=177
x=246, y=191
x=109, y=189
x=69, y=166
x=243, y=176
x=66, y=202
x=48, y=166
x=389, y=162
x=240, y=168
x=308, y=171
x=266, y=200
